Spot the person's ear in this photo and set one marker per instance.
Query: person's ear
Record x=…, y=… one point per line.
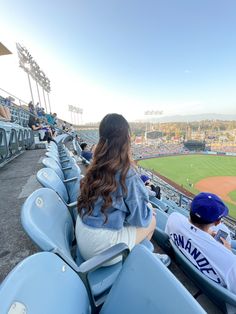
x=217, y=222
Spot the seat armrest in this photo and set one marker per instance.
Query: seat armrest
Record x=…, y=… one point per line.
x=64, y=160
x=66, y=168
x=104, y=257
x=72, y=205
x=70, y=180
x=92, y=264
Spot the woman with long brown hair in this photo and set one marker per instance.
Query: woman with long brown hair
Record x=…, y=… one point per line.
x=113, y=201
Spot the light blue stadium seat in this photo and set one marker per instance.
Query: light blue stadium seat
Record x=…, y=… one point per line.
x=47, y=221
x=43, y=284
x=160, y=237
x=70, y=179
x=51, y=163
x=161, y=218
x=60, y=153
x=225, y=299
x=63, y=138
x=145, y=285
x=179, y=210
x=158, y=203
x=76, y=147
x=62, y=162
x=3, y=144
x=65, y=173
x=49, y=179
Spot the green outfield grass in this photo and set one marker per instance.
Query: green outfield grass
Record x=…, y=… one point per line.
x=232, y=195
x=188, y=170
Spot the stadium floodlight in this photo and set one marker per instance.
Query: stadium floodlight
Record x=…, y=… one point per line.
x=30, y=66
x=77, y=111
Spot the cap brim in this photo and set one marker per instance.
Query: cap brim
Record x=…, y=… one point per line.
x=226, y=212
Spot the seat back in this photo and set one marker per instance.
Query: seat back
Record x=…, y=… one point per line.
x=218, y=294
x=158, y=203
x=49, y=179
x=73, y=188
x=51, y=163
x=43, y=283
x=63, y=138
x=48, y=222
x=54, y=156
x=145, y=285
x=76, y=147
x=180, y=210
x=161, y=218
x=162, y=238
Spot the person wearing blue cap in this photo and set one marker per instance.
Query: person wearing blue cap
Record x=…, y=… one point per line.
x=151, y=188
x=210, y=253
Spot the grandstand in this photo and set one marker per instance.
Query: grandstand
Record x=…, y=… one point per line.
x=20, y=175
x=64, y=166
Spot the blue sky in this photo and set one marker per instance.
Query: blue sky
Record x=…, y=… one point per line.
x=129, y=56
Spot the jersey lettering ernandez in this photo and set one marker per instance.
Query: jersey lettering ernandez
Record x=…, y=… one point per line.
x=209, y=256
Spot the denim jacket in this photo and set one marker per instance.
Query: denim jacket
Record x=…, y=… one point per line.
x=130, y=209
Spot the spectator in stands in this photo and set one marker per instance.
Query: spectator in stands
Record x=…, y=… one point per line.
x=113, y=202
x=195, y=240
x=5, y=113
x=31, y=107
x=40, y=112
x=50, y=118
x=45, y=133
x=86, y=153
x=63, y=125
x=55, y=118
x=151, y=188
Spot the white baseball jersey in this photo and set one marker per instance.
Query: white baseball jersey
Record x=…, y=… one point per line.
x=211, y=257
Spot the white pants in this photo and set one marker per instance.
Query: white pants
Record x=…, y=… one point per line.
x=92, y=241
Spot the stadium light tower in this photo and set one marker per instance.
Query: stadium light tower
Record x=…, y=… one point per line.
x=30, y=66
x=24, y=62
x=151, y=113
x=77, y=111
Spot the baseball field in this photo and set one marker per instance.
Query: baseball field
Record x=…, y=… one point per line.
x=197, y=173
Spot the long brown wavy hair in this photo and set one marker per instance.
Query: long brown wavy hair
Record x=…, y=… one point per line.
x=112, y=154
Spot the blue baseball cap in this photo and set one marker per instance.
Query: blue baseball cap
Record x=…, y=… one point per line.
x=208, y=207
x=144, y=178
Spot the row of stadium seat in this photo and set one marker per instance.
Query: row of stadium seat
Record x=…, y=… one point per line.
x=13, y=140
x=18, y=114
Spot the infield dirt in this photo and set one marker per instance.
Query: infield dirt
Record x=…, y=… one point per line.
x=221, y=186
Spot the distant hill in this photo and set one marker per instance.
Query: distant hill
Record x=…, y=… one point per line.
x=196, y=117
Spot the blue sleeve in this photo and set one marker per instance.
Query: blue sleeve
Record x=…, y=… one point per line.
x=87, y=155
x=136, y=201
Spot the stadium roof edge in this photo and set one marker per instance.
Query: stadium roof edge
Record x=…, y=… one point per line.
x=4, y=50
